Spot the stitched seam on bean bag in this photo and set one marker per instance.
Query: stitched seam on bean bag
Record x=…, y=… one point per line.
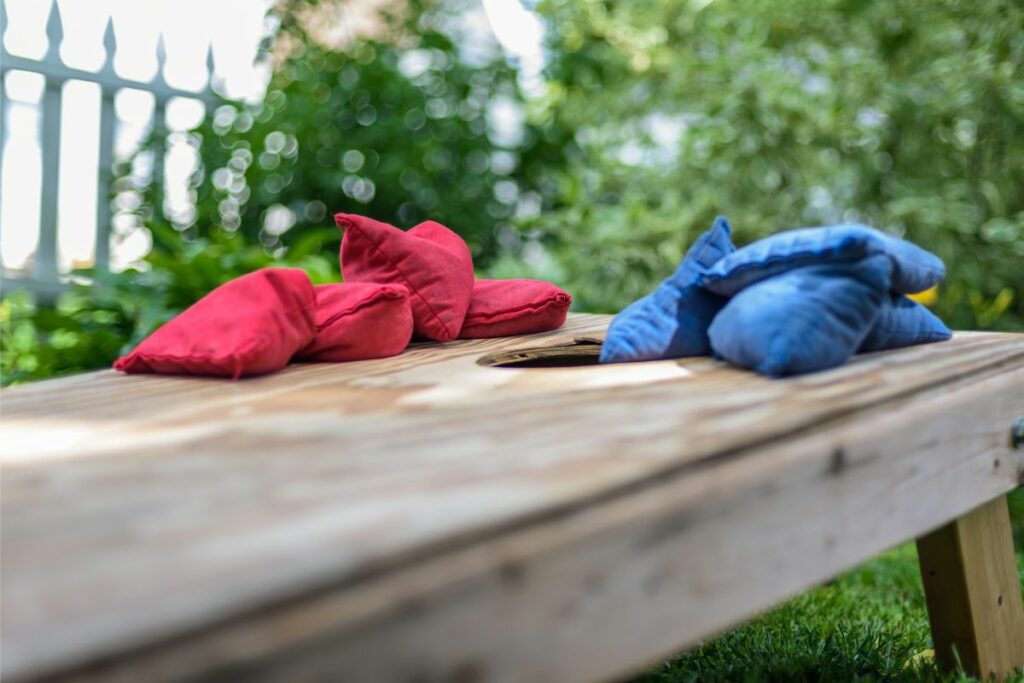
x=772, y=260
x=234, y=357
x=372, y=298
x=869, y=247
x=906, y=338
x=557, y=299
x=390, y=261
x=171, y=356
x=139, y=354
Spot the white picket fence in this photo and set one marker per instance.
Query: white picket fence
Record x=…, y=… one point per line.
x=45, y=279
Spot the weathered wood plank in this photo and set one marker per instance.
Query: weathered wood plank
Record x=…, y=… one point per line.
x=594, y=592
x=973, y=593
x=139, y=510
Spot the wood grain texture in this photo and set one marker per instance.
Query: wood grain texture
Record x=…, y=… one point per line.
x=973, y=593
x=147, y=517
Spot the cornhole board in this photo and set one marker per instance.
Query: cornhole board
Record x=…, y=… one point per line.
x=454, y=514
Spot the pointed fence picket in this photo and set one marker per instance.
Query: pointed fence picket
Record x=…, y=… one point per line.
x=45, y=280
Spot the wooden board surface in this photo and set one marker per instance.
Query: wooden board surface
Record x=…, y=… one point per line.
x=972, y=589
x=140, y=511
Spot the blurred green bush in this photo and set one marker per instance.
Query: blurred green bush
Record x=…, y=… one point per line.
x=657, y=116
x=907, y=115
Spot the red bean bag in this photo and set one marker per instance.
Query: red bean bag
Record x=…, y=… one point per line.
x=358, y=321
x=503, y=308
x=251, y=325
x=430, y=261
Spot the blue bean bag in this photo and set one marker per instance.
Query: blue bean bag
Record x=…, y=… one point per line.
x=672, y=321
x=902, y=322
x=913, y=268
x=803, y=320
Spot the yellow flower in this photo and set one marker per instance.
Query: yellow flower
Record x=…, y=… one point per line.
x=924, y=657
x=928, y=297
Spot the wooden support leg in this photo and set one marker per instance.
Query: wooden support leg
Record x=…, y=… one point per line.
x=973, y=592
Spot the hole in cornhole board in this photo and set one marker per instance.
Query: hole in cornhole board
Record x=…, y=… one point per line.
x=580, y=353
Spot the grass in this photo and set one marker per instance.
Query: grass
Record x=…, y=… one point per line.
x=862, y=626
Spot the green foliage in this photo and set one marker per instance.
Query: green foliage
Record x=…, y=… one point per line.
x=864, y=626
x=74, y=336
x=396, y=132
x=905, y=115
x=1016, y=503
x=92, y=324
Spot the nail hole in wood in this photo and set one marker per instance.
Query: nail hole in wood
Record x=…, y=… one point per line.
x=512, y=572
x=837, y=463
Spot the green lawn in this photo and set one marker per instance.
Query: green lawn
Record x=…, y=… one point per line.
x=862, y=626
